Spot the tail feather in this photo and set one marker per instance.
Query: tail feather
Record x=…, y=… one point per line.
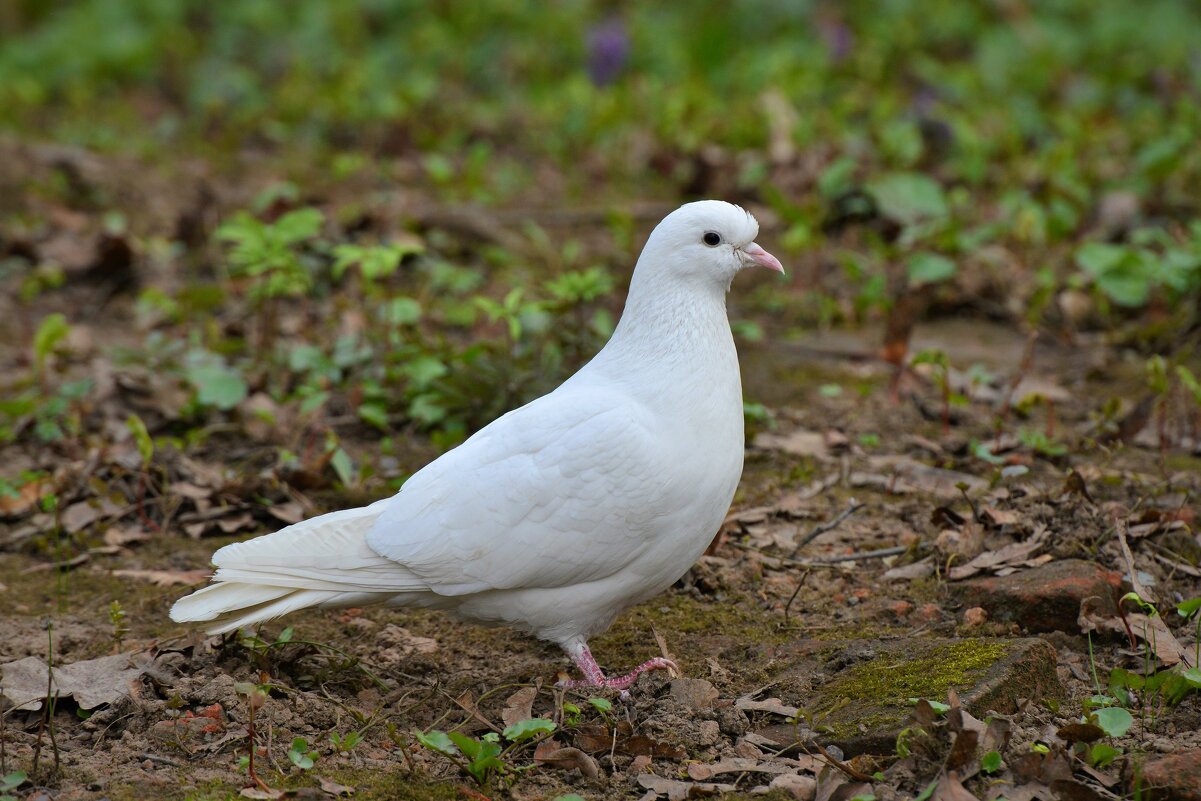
x=324, y=561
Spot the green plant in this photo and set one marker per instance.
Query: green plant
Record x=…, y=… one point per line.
x=300, y=755
x=10, y=781
x=117, y=618
x=483, y=757
x=937, y=359
x=344, y=743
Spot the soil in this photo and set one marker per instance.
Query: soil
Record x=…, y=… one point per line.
x=849, y=642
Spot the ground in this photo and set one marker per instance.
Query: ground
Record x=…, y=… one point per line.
x=262, y=261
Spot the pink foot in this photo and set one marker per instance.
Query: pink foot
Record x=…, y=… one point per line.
x=593, y=677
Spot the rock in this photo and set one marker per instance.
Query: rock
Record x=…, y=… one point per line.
x=860, y=689
x=975, y=617
x=1045, y=598
x=802, y=788
x=1175, y=777
x=183, y=731
x=694, y=693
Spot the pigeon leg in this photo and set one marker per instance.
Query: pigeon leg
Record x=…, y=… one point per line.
x=593, y=677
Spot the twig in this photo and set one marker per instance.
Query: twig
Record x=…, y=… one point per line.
x=858, y=556
x=1129, y=557
x=796, y=592
x=857, y=775
x=162, y=760
x=817, y=531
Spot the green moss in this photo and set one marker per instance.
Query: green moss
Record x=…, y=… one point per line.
x=692, y=628
x=875, y=694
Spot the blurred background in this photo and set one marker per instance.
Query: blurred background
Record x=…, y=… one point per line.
x=262, y=259
x=380, y=211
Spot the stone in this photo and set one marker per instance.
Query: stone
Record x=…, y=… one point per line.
x=1045, y=598
x=694, y=693
x=859, y=691
x=1175, y=777
x=975, y=617
x=802, y=788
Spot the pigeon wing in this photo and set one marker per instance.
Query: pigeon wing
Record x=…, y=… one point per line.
x=561, y=491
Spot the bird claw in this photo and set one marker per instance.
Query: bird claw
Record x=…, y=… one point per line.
x=623, y=683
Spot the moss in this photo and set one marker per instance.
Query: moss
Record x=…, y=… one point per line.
x=694, y=629
x=875, y=694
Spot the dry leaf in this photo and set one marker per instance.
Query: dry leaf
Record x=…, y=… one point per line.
x=519, y=706
x=773, y=705
x=333, y=788
x=91, y=682
x=555, y=755
x=676, y=790
x=168, y=578
x=797, y=443
x=256, y=792
x=950, y=788
x=1010, y=555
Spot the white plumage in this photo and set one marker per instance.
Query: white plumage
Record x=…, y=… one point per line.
x=561, y=514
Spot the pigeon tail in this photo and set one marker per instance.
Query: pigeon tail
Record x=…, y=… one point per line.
x=324, y=561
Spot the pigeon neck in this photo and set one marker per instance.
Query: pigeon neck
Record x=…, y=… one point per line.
x=670, y=324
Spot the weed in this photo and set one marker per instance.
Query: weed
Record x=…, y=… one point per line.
x=484, y=757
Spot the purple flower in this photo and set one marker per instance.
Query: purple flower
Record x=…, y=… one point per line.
x=608, y=49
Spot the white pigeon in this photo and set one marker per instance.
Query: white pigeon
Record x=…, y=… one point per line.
x=559, y=515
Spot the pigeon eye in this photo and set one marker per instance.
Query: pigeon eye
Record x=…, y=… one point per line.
x=711, y=238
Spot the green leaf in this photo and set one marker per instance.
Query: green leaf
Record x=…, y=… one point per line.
x=991, y=762
x=51, y=331
x=403, y=311
x=929, y=268
x=937, y=706
x=1113, y=720
x=527, y=729
x=12, y=781
x=141, y=437
x=374, y=414
x=602, y=705
x=343, y=466
x=1101, y=754
x=908, y=197
x=217, y=385
x=436, y=740
x=1188, y=608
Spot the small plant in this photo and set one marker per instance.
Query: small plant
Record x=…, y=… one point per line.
x=345, y=743
x=10, y=781
x=300, y=755
x=117, y=618
x=483, y=757
x=942, y=379
x=256, y=696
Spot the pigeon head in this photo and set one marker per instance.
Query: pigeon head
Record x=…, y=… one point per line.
x=708, y=241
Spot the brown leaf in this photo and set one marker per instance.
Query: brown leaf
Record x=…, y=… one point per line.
x=92, y=682
x=25, y=500
x=519, y=706
x=1072, y=790
x=950, y=788
x=555, y=755
x=676, y=790
x=333, y=788
x=797, y=443
x=773, y=705
x=120, y=536
x=963, y=751
x=168, y=578
x=595, y=738
x=289, y=512
x=256, y=792
x=1080, y=733
x=996, y=736
x=1012, y=554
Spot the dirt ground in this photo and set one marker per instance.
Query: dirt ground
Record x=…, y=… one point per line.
x=776, y=637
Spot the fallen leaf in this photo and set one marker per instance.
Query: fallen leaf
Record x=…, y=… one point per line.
x=91, y=682
x=950, y=788
x=797, y=443
x=1010, y=555
x=255, y=792
x=519, y=706
x=168, y=578
x=333, y=788
x=773, y=705
x=677, y=790
x=26, y=498
x=120, y=536
x=555, y=755
x=595, y=738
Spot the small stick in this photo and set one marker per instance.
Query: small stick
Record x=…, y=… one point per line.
x=857, y=775
x=817, y=531
x=796, y=592
x=1129, y=557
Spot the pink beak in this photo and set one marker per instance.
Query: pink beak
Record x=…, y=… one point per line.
x=761, y=257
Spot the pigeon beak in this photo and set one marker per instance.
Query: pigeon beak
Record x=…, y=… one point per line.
x=761, y=257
